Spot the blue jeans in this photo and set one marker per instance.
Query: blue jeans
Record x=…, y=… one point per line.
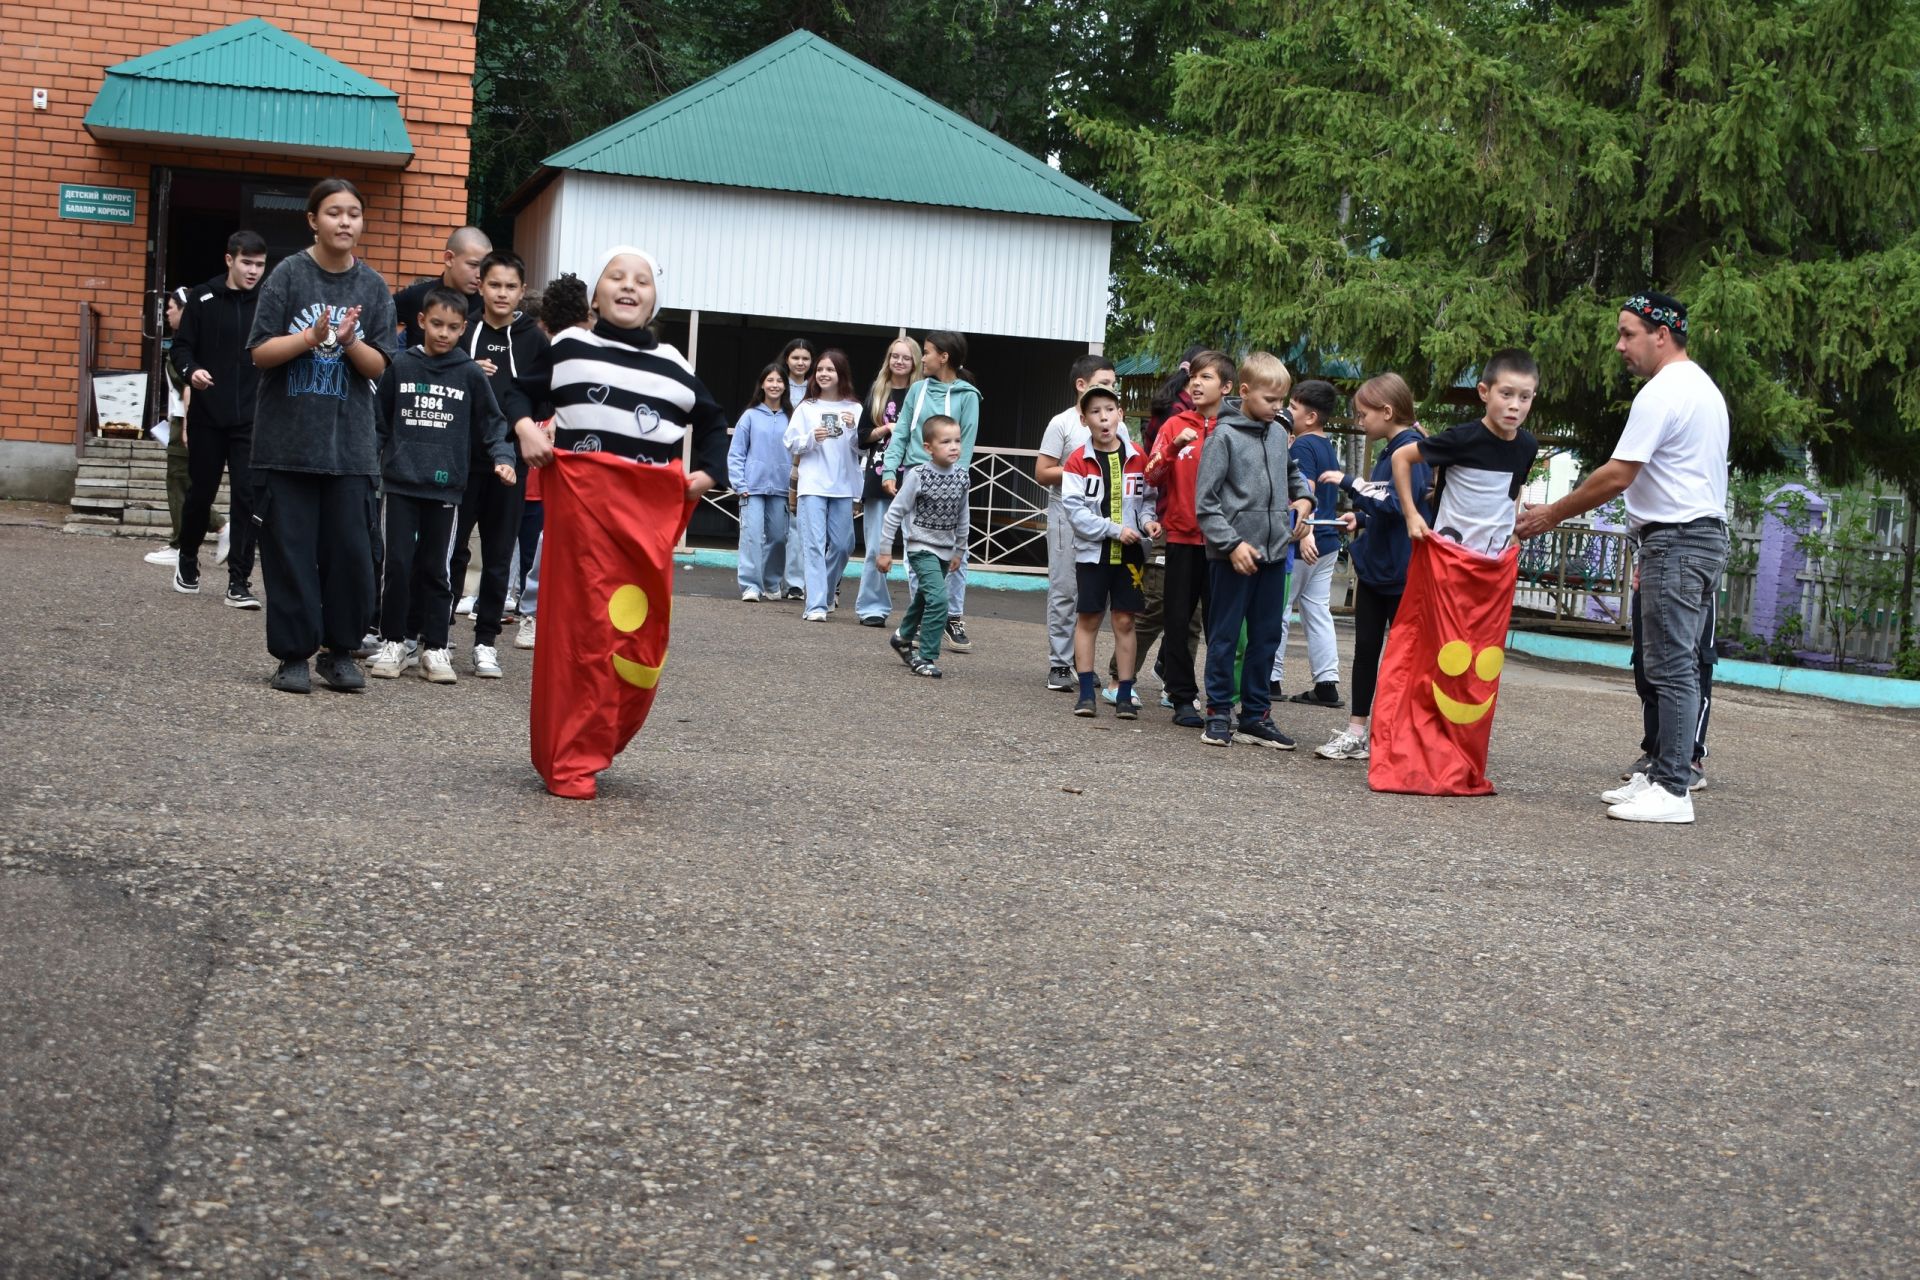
x=1260, y=600
x=826, y=542
x=1680, y=570
x=875, y=599
x=793, y=575
x=763, y=542
x=530, y=581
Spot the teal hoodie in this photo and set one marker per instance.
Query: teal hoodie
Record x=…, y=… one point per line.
x=958, y=400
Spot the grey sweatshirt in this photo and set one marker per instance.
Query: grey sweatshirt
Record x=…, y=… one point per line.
x=931, y=508
x=1247, y=481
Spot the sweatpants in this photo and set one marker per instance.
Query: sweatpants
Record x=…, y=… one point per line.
x=927, y=611
x=1259, y=601
x=1186, y=590
x=317, y=559
x=211, y=450
x=495, y=509
x=1062, y=587
x=1373, y=612
x=416, y=532
x=1311, y=591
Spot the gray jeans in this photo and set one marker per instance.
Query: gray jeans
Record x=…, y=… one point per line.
x=1680, y=571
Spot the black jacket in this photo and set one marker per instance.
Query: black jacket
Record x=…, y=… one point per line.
x=435, y=414
x=519, y=355
x=406, y=307
x=213, y=336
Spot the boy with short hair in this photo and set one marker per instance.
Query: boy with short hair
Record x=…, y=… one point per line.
x=1171, y=470
x=1064, y=437
x=1312, y=406
x=931, y=508
x=435, y=412
x=1479, y=467
x=1109, y=504
x=1252, y=504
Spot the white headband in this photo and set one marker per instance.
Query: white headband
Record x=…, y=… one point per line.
x=622, y=251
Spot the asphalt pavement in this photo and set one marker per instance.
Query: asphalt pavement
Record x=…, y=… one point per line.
x=848, y=973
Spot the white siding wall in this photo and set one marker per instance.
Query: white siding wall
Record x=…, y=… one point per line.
x=835, y=261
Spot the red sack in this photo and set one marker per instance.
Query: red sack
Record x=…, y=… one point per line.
x=606, y=596
x=1440, y=675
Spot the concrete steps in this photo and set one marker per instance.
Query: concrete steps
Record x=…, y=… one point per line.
x=124, y=483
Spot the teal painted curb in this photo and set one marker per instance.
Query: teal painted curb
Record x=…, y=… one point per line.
x=711, y=558
x=1839, y=686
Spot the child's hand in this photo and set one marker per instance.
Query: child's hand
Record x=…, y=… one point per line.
x=1416, y=526
x=953, y=565
x=698, y=482
x=316, y=333
x=536, y=446
x=1186, y=437
x=1332, y=477
x=1154, y=529
x=347, y=332
x=1129, y=536
x=1310, y=551
x=819, y=434
x=505, y=472
x=487, y=367
x=884, y=561
x=1350, y=521
x=892, y=486
x=1245, y=560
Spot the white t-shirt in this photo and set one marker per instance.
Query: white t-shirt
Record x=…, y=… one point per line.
x=829, y=468
x=1065, y=436
x=1678, y=432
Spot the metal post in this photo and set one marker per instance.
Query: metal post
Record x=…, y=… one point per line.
x=686, y=441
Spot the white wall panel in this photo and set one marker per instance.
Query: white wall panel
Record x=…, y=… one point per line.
x=835, y=261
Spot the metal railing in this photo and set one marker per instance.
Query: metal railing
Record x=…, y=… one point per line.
x=1576, y=578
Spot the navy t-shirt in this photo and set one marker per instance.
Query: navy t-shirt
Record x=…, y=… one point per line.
x=1315, y=454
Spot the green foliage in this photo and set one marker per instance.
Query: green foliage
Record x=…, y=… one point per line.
x=1857, y=570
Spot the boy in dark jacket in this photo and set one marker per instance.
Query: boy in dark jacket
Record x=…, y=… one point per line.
x=435, y=412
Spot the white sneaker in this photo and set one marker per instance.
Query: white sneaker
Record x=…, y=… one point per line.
x=1655, y=804
x=436, y=666
x=815, y=615
x=523, y=635
x=1620, y=795
x=750, y=596
x=224, y=544
x=165, y=555
x=486, y=662
x=467, y=605
x=410, y=655
x=1344, y=745
x=512, y=605
x=369, y=645
x=386, y=660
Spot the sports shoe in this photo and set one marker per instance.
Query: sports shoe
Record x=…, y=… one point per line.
x=523, y=635
x=241, y=597
x=369, y=645
x=338, y=671
x=814, y=615
x=902, y=646
x=873, y=620
x=750, y=596
x=1325, y=693
x=436, y=666
x=957, y=635
x=1344, y=745
x=223, y=545
x=1187, y=718
x=1165, y=701
x=1085, y=707
x=386, y=660
x=410, y=655
x=1696, y=779
x=486, y=662
x=186, y=578
x=1060, y=679
x=292, y=677
x=1655, y=804
x=1262, y=733
x=793, y=593
x=1643, y=765
x=926, y=669
x=1218, y=732
x=467, y=605
x=1620, y=795
x=165, y=555
x=511, y=605
x=1128, y=710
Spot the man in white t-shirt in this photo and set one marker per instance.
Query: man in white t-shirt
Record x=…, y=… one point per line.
x=1065, y=436
x=1671, y=463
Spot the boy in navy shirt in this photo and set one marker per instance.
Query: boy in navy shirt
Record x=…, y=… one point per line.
x=1313, y=405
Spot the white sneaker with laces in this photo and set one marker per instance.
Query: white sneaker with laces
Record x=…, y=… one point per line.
x=1654, y=804
x=436, y=666
x=224, y=545
x=1620, y=795
x=816, y=615
x=165, y=555
x=467, y=605
x=750, y=596
x=1344, y=745
x=410, y=655
x=386, y=660
x=523, y=634
x=486, y=662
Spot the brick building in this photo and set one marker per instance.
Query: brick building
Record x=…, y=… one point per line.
x=142, y=132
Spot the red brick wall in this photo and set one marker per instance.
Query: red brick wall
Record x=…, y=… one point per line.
x=48, y=266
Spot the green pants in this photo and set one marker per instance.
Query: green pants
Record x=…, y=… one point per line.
x=176, y=480
x=928, y=608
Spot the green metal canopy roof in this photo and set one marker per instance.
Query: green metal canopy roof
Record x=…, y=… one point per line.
x=251, y=87
x=789, y=118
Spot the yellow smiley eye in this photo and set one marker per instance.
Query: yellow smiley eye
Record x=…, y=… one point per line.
x=1454, y=656
x=1490, y=662
x=627, y=608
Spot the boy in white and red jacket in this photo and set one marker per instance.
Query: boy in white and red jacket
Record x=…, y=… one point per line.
x=1111, y=508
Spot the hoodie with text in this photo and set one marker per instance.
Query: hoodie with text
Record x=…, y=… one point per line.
x=436, y=413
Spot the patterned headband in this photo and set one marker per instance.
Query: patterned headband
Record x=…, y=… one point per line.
x=1658, y=309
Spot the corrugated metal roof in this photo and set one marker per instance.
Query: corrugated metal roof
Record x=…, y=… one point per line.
x=250, y=83
x=799, y=115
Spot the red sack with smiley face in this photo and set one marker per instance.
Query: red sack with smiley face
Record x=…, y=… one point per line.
x=606, y=596
x=1440, y=675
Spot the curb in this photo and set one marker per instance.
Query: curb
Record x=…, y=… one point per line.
x=1837, y=686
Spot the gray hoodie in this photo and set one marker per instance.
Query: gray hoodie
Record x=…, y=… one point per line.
x=1247, y=480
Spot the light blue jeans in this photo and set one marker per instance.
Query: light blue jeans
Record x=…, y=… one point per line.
x=826, y=543
x=1312, y=589
x=875, y=599
x=794, y=577
x=763, y=543
x=530, y=585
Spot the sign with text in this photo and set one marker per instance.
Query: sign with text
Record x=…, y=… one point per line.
x=97, y=204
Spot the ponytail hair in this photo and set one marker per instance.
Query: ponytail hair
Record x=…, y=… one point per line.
x=954, y=347
x=1167, y=395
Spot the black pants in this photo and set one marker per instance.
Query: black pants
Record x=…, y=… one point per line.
x=1184, y=590
x=1373, y=613
x=1650, y=697
x=211, y=450
x=316, y=559
x=417, y=563
x=495, y=509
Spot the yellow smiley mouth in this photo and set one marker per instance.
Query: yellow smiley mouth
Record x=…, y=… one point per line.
x=637, y=674
x=1453, y=709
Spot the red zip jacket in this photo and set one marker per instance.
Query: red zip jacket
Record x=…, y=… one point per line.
x=1174, y=476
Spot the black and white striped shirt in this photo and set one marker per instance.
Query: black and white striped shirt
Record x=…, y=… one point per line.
x=619, y=391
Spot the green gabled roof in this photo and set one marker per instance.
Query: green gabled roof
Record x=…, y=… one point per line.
x=800, y=115
x=251, y=86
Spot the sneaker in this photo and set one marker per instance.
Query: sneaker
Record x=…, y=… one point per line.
x=436, y=666
x=1060, y=679
x=386, y=660
x=902, y=646
x=1655, y=804
x=1325, y=693
x=1344, y=745
x=1128, y=710
x=523, y=635
x=292, y=677
x=369, y=645
x=1620, y=795
x=186, y=578
x=410, y=655
x=1111, y=694
x=467, y=605
x=511, y=606
x=165, y=555
x=242, y=597
x=1696, y=779
x=814, y=615
x=339, y=672
x=750, y=596
x=1262, y=733
x=486, y=662
x=1165, y=701
x=793, y=593
x=223, y=544
x=1187, y=718
x=1085, y=707
x=874, y=620
x=1643, y=765
x=923, y=668
x=957, y=635
x=1217, y=733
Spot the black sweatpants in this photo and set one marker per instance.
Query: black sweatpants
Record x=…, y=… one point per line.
x=211, y=450
x=316, y=559
x=417, y=562
x=1184, y=590
x=495, y=508
x=1373, y=613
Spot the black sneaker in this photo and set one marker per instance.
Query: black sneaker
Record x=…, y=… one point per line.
x=1060, y=679
x=926, y=669
x=186, y=578
x=1263, y=733
x=292, y=677
x=1086, y=707
x=1324, y=694
x=242, y=597
x=1187, y=718
x=793, y=593
x=1127, y=709
x=957, y=635
x=901, y=646
x=1218, y=732
x=339, y=672
x=873, y=620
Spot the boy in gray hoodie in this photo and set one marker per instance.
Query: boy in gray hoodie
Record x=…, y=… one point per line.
x=1252, y=505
